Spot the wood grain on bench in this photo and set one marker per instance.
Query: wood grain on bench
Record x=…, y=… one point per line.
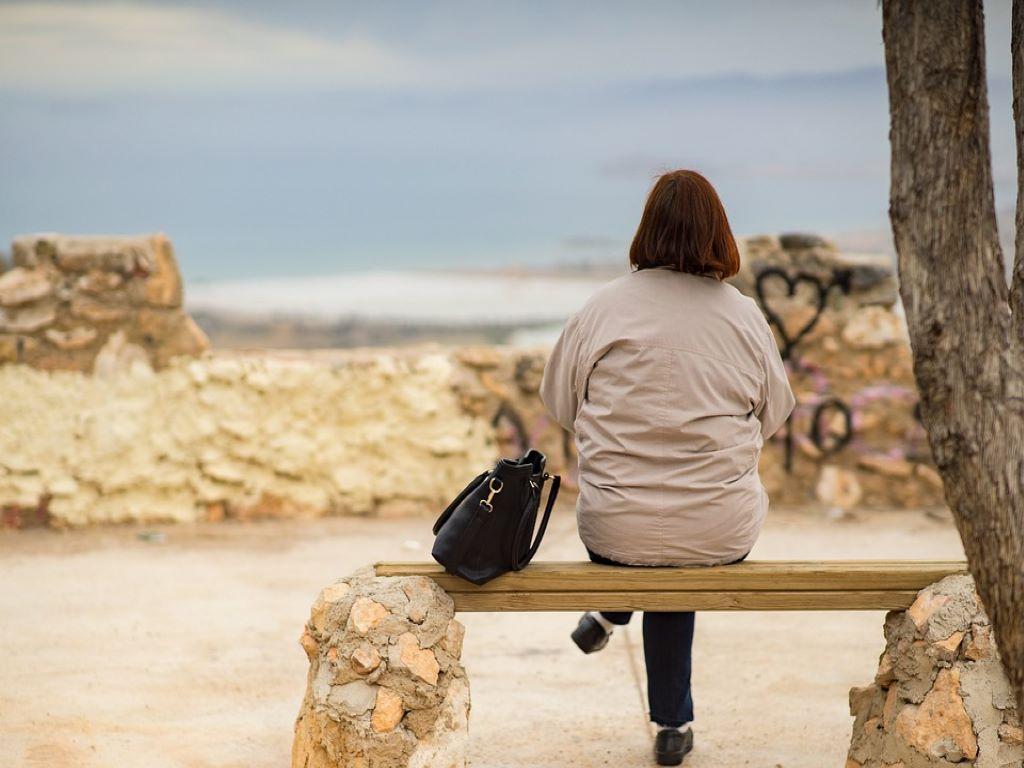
x=770, y=585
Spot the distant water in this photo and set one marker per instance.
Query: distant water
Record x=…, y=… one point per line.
x=400, y=296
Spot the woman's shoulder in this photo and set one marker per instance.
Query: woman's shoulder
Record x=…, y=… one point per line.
x=610, y=293
x=669, y=294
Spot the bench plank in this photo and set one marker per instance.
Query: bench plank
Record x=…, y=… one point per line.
x=752, y=576
x=836, y=600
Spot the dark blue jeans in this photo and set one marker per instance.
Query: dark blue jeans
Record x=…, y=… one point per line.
x=668, y=656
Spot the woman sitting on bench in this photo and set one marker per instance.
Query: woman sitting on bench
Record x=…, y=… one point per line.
x=670, y=380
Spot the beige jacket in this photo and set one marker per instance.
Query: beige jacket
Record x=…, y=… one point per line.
x=670, y=382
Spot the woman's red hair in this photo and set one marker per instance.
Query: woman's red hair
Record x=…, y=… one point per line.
x=684, y=227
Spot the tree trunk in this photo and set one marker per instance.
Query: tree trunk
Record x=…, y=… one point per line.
x=967, y=343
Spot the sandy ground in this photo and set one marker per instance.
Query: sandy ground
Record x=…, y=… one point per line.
x=122, y=651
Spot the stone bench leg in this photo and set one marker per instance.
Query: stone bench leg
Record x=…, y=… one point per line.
x=385, y=686
x=940, y=696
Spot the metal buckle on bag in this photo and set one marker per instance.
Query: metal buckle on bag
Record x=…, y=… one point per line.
x=495, y=486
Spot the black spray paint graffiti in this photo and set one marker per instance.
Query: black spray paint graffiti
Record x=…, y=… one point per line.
x=840, y=279
x=823, y=433
x=514, y=435
x=507, y=419
x=823, y=438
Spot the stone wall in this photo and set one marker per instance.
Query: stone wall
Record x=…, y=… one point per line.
x=855, y=438
x=940, y=697
x=237, y=436
x=75, y=303
x=385, y=687
x=136, y=431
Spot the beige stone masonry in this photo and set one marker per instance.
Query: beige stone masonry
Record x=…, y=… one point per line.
x=237, y=437
x=67, y=299
x=385, y=686
x=140, y=430
x=940, y=697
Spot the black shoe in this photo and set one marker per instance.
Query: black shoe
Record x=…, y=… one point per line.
x=589, y=635
x=672, y=745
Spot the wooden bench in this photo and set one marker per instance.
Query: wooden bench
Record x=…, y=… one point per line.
x=768, y=585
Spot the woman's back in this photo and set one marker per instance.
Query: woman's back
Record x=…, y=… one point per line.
x=669, y=381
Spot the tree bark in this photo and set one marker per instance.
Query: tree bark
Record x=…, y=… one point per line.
x=1017, y=56
x=967, y=344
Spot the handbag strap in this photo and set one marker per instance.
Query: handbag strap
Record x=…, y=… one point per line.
x=556, y=482
x=473, y=484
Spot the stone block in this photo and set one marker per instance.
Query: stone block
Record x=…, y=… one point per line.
x=79, y=337
x=168, y=334
x=163, y=282
x=407, y=712
x=874, y=327
x=90, y=310
x=23, y=286
x=71, y=293
x=81, y=253
x=838, y=487
x=938, y=706
x=27, y=319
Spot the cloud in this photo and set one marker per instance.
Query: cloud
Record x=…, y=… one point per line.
x=444, y=46
x=109, y=47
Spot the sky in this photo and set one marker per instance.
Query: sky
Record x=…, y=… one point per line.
x=310, y=138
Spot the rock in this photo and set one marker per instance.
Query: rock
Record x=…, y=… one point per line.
x=77, y=253
x=169, y=334
x=860, y=696
x=366, y=614
x=309, y=644
x=365, y=659
x=92, y=311
x=940, y=727
x=328, y=595
x=9, y=351
x=23, y=251
x=479, y=357
x=838, y=487
x=63, y=486
x=98, y=282
x=793, y=241
x=931, y=704
x=387, y=712
x=925, y=605
x=873, y=328
x=930, y=475
x=869, y=279
x=889, y=708
x=951, y=643
x=416, y=614
x=163, y=285
x=447, y=742
x=453, y=637
x=107, y=285
x=421, y=662
x=1011, y=734
x=419, y=591
x=885, y=674
x=79, y=337
x=27, y=319
x=979, y=647
x=22, y=286
x=393, y=717
x=353, y=698
x=886, y=465
x=117, y=356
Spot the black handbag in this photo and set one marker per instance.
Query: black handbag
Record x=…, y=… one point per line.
x=486, y=530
